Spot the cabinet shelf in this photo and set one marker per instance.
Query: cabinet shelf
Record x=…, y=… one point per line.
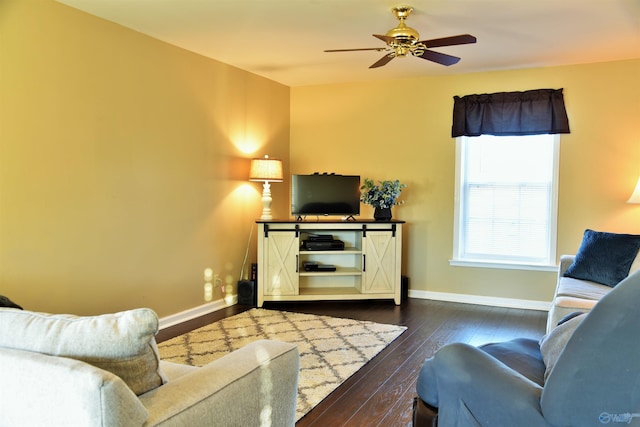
x=340, y=271
x=341, y=252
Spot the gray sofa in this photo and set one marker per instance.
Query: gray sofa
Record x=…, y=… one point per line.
x=573, y=295
x=583, y=373
x=58, y=370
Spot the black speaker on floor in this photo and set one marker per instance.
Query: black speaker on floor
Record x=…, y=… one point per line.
x=247, y=292
x=404, y=290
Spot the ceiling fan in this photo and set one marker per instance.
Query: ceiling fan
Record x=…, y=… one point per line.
x=403, y=40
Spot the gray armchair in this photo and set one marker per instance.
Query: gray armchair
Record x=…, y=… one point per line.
x=594, y=381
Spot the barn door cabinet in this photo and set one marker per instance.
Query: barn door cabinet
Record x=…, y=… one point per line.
x=365, y=264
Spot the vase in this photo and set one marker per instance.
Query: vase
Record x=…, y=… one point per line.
x=382, y=214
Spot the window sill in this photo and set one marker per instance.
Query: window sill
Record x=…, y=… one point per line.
x=502, y=265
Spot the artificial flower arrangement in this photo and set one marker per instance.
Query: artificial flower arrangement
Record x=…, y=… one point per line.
x=383, y=195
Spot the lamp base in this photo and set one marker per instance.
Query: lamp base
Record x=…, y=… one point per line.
x=266, y=202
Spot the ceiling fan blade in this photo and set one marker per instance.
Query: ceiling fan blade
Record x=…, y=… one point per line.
x=352, y=50
x=385, y=39
x=384, y=60
x=438, y=57
x=450, y=41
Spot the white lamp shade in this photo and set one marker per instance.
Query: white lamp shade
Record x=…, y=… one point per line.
x=266, y=169
x=635, y=196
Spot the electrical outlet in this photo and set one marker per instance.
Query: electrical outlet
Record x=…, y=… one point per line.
x=208, y=274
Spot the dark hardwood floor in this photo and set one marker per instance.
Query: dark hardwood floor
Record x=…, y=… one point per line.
x=382, y=392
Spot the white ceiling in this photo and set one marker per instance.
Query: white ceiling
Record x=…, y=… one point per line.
x=283, y=40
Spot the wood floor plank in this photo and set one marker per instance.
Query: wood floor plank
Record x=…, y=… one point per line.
x=381, y=392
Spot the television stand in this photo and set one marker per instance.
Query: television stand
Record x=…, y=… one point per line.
x=367, y=267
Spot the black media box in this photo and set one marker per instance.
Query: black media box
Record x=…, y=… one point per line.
x=323, y=245
x=248, y=289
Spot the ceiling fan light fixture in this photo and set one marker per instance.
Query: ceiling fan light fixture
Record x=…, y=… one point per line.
x=402, y=41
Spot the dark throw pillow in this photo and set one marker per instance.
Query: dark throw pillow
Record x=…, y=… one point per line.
x=6, y=302
x=604, y=257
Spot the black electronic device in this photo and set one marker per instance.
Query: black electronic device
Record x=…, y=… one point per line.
x=314, y=266
x=325, y=194
x=310, y=265
x=323, y=245
x=320, y=237
x=247, y=292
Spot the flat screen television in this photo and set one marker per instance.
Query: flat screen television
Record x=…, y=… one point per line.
x=325, y=194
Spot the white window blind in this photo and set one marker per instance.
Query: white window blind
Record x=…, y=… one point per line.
x=506, y=204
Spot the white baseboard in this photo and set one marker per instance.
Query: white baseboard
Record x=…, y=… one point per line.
x=192, y=313
x=482, y=300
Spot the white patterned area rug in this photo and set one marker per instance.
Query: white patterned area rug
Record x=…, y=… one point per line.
x=331, y=349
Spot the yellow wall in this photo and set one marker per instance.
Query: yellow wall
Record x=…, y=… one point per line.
x=123, y=163
x=401, y=129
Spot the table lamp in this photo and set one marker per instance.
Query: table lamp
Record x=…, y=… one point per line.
x=266, y=170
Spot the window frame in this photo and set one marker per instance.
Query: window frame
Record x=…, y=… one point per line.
x=492, y=262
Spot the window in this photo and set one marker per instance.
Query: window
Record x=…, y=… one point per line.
x=506, y=201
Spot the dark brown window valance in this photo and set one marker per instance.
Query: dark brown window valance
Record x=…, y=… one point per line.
x=531, y=112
